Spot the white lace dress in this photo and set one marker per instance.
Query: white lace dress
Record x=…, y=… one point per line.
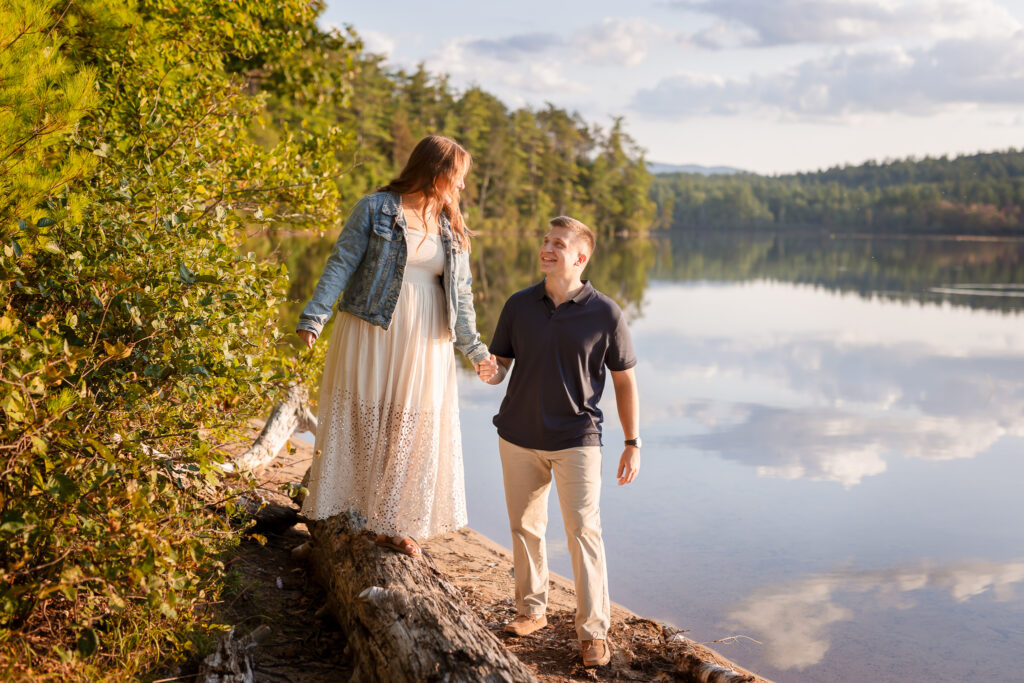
x=388, y=429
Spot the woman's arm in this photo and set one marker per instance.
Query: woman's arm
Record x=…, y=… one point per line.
x=467, y=339
x=348, y=252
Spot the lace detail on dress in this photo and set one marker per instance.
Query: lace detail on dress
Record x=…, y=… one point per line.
x=386, y=465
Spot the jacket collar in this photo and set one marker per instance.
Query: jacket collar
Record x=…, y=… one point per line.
x=392, y=206
x=392, y=203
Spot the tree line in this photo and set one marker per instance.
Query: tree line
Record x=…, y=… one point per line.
x=977, y=193
x=529, y=164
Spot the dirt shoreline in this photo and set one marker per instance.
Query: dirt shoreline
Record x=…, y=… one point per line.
x=277, y=590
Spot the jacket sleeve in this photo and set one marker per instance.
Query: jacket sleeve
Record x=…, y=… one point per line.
x=467, y=339
x=348, y=252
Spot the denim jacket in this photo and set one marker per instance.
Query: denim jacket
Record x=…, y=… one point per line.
x=368, y=263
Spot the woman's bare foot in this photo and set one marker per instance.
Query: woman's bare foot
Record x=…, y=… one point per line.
x=404, y=545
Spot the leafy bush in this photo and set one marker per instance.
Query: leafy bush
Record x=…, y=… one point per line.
x=131, y=327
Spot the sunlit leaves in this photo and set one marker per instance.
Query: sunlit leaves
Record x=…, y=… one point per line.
x=130, y=323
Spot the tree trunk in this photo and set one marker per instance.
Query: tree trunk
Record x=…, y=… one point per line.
x=288, y=416
x=403, y=619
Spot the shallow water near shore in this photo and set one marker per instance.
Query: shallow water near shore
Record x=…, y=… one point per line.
x=832, y=466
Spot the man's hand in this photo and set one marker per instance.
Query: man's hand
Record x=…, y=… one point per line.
x=629, y=465
x=307, y=338
x=487, y=369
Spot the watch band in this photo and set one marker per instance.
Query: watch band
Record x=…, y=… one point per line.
x=634, y=442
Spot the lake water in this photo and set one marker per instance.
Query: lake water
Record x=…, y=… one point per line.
x=833, y=472
x=833, y=451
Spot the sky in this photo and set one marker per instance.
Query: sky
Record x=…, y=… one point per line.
x=769, y=86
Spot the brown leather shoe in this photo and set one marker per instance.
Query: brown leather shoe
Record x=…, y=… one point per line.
x=525, y=624
x=596, y=652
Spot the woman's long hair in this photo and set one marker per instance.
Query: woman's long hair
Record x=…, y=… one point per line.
x=432, y=168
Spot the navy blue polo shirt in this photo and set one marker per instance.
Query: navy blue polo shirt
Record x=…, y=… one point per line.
x=559, y=371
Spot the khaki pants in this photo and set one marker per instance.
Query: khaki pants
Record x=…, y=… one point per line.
x=577, y=472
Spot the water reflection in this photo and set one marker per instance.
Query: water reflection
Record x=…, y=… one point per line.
x=894, y=267
x=792, y=619
x=802, y=383
x=845, y=447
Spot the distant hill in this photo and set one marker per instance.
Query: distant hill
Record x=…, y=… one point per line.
x=657, y=168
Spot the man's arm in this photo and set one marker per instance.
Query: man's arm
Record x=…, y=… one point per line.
x=627, y=401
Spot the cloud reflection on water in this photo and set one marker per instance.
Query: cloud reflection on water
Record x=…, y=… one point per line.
x=844, y=447
x=792, y=619
x=831, y=398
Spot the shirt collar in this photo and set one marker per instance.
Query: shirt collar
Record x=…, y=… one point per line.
x=582, y=296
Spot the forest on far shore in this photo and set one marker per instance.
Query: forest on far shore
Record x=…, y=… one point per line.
x=977, y=193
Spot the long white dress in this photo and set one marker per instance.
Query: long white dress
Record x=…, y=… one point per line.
x=388, y=432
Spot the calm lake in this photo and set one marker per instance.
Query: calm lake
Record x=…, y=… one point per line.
x=833, y=458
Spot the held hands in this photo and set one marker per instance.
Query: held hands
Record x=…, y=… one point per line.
x=487, y=369
x=629, y=465
x=307, y=338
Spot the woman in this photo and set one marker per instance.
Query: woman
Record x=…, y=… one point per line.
x=388, y=429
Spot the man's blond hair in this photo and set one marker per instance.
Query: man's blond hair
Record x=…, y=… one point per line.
x=578, y=230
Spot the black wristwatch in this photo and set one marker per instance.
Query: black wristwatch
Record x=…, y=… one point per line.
x=638, y=442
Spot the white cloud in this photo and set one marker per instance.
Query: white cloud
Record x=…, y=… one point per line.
x=510, y=73
x=625, y=41
x=789, y=22
x=882, y=80
x=377, y=43
x=792, y=619
x=542, y=78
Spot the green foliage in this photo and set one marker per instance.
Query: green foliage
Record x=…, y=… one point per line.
x=977, y=193
x=529, y=166
x=132, y=323
x=41, y=102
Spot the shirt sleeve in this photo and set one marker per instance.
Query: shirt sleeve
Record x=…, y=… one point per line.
x=620, y=354
x=501, y=341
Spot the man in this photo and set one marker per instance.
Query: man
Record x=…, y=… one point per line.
x=562, y=334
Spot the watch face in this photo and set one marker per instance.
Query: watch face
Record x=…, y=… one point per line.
x=634, y=442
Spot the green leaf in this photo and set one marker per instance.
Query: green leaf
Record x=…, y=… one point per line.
x=12, y=522
x=63, y=488
x=101, y=449
x=45, y=221
x=88, y=642
x=186, y=275
x=14, y=406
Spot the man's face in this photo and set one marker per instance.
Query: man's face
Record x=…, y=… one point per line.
x=560, y=254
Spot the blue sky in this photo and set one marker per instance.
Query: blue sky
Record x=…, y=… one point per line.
x=771, y=86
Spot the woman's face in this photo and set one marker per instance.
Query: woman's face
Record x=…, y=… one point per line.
x=450, y=186
x=456, y=184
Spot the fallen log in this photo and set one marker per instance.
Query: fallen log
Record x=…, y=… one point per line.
x=288, y=416
x=404, y=620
